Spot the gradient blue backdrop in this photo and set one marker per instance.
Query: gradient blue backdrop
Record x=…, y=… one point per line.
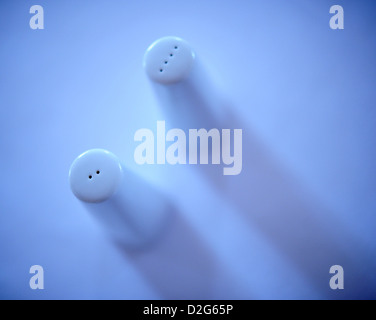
x=304, y=95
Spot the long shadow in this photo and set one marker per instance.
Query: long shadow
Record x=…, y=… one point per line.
x=178, y=265
x=190, y=103
x=193, y=104
x=271, y=198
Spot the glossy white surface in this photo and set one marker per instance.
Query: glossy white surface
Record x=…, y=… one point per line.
x=303, y=93
x=112, y=194
x=168, y=60
x=95, y=175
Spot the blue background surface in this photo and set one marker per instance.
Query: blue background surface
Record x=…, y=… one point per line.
x=303, y=94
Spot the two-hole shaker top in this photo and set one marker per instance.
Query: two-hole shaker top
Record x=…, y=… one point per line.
x=95, y=175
